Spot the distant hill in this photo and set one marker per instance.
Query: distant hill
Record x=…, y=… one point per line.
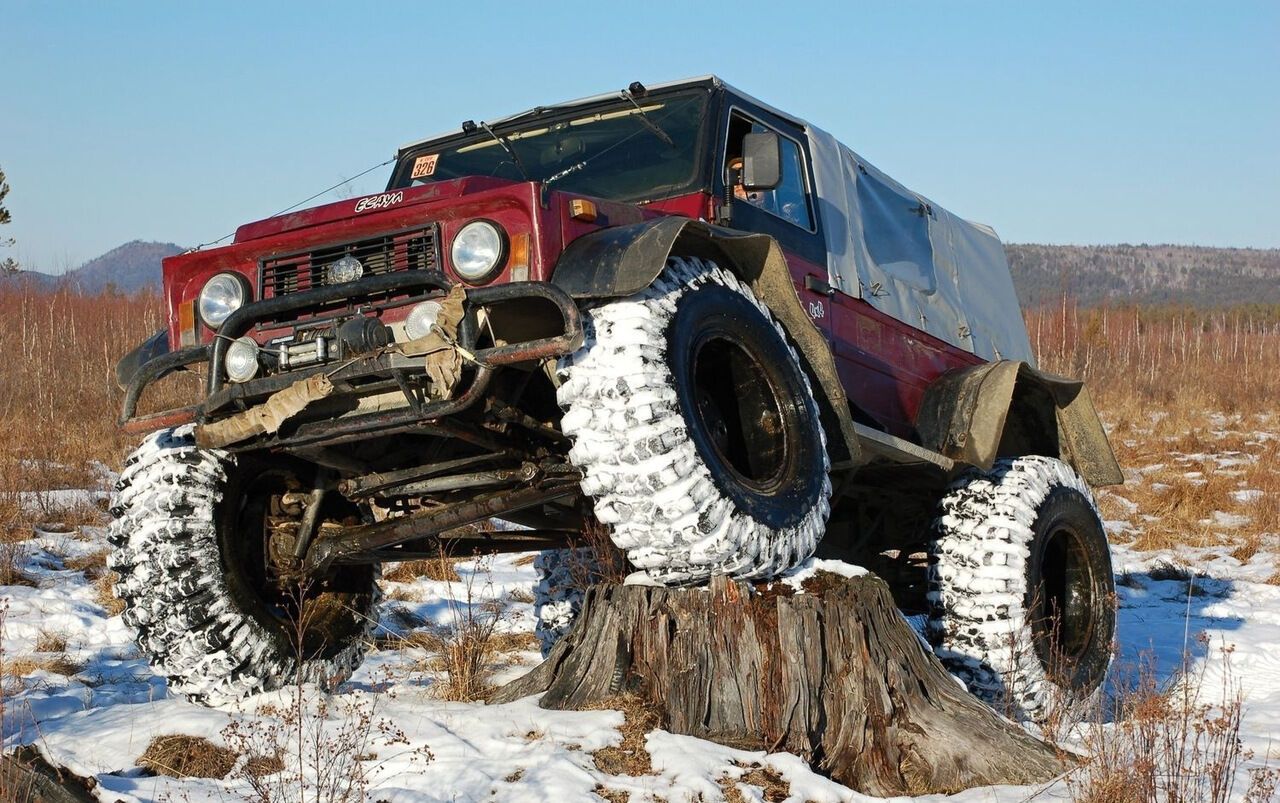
x=1089, y=274
x=128, y=268
x=29, y=278
x=1145, y=274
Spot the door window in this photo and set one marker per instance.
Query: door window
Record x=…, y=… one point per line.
x=790, y=199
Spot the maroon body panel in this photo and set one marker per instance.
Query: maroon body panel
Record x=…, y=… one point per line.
x=884, y=364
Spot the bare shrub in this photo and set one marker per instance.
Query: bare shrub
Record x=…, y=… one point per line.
x=1166, y=745
x=466, y=643
x=312, y=749
x=315, y=747
x=12, y=557
x=1185, y=362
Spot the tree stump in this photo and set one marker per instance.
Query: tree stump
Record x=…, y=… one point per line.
x=835, y=675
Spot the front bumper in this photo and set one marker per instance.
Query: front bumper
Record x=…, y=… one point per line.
x=222, y=398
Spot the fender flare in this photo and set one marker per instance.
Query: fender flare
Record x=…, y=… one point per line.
x=620, y=261
x=968, y=415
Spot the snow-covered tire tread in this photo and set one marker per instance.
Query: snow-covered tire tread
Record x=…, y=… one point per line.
x=176, y=597
x=978, y=623
x=640, y=465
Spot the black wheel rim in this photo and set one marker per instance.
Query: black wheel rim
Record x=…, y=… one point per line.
x=747, y=406
x=1066, y=597
x=737, y=405
x=315, y=619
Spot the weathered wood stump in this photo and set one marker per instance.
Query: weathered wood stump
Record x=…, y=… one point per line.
x=25, y=775
x=835, y=675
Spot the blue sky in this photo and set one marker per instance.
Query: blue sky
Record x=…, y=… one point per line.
x=1073, y=122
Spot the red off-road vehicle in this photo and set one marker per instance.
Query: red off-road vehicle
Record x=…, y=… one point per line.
x=676, y=311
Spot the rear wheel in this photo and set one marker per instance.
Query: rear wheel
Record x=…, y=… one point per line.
x=200, y=539
x=697, y=430
x=1022, y=594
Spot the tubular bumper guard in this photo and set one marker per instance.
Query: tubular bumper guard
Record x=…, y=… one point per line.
x=220, y=394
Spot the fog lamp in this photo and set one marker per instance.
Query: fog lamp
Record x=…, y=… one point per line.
x=421, y=318
x=241, y=362
x=347, y=269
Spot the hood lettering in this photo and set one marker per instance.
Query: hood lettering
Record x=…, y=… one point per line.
x=379, y=201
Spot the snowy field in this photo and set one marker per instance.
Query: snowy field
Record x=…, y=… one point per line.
x=77, y=689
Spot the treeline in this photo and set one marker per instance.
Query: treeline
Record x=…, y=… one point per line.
x=1163, y=275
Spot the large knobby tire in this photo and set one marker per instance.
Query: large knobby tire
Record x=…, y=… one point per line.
x=189, y=540
x=1021, y=588
x=696, y=430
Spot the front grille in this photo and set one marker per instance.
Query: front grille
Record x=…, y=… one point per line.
x=417, y=249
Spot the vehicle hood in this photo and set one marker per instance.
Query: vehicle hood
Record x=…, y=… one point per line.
x=366, y=204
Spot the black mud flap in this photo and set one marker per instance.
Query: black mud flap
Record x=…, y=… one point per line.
x=129, y=364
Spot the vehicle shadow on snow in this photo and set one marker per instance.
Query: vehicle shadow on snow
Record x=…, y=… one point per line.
x=1161, y=617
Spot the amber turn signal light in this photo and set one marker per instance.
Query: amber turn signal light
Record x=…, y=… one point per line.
x=187, y=323
x=582, y=209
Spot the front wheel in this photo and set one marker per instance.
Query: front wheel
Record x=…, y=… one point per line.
x=193, y=539
x=696, y=430
x=1021, y=589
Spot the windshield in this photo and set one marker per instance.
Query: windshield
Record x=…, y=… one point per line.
x=639, y=151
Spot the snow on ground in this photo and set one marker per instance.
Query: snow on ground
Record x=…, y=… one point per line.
x=96, y=712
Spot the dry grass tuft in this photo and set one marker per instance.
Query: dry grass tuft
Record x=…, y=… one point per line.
x=60, y=664
x=1182, y=507
x=182, y=756
x=612, y=795
x=465, y=651
x=513, y=642
x=104, y=594
x=49, y=641
x=94, y=565
x=773, y=788
x=520, y=595
x=439, y=569
x=631, y=757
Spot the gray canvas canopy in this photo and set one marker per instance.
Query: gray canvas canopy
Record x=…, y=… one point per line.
x=909, y=257
x=914, y=260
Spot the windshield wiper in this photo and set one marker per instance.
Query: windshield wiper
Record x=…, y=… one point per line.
x=506, y=146
x=649, y=124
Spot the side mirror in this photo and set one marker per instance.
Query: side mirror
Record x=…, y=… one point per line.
x=761, y=161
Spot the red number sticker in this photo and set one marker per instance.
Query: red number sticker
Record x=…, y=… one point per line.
x=424, y=165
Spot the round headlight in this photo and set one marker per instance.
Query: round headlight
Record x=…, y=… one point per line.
x=241, y=362
x=477, y=250
x=221, y=296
